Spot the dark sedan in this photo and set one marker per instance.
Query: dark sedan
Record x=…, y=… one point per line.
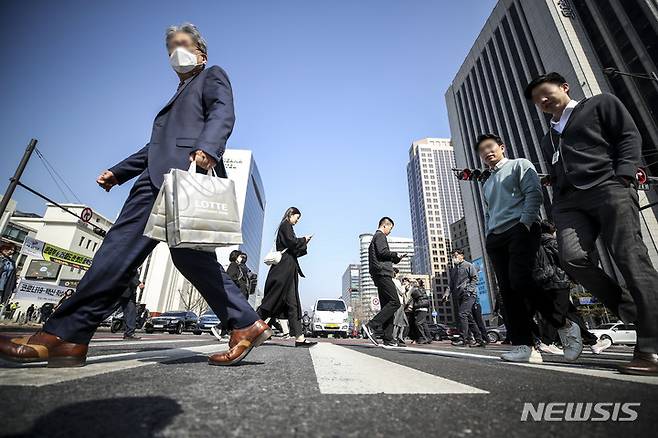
x=496, y=334
x=207, y=320
x=440, y=332
x=175, y=322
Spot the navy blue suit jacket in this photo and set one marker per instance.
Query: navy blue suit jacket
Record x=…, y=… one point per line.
x=199, y=116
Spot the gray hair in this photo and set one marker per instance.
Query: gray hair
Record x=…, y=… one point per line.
x=192, y=31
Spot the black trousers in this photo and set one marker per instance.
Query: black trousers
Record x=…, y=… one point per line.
x=423, y=330
x=123, y=250
x=512, y=254
x=479, y=321
x=129, y=315
x=467, y=324
x=556, y=307
x=388, y=298
x=610, y=211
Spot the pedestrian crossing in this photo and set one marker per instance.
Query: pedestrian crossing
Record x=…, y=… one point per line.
x=36, y=375
x=338, y=369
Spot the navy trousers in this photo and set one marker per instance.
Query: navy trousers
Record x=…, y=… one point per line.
x=123, y=250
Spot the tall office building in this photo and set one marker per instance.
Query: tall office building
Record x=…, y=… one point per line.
x=166, y=288
x=459, y=237
x=435, y=200
x=579, y=39
x=367, y=289
x=350, y=285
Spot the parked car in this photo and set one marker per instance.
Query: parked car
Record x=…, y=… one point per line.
x=107, y=322
x=330, y=318
x=440, y=332
x=206, y=321
x=496, y=334
x=617, y=333
x=175, y=322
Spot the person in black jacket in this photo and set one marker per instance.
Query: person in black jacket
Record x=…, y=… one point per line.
x=7, y=271
x=555, y=303
x=463, y=279
x=421, y=307
x=252, y=278
x=128, y=303
x=281, y=295
x=238, y=272
x=380, y=264
x=594, y=148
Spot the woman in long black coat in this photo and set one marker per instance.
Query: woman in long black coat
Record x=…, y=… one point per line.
x=281, y=296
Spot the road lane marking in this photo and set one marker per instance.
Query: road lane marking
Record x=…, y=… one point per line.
x=592, y=372
x=573, y=368
x=37, y=375
x=119, y=342
x=341, y=370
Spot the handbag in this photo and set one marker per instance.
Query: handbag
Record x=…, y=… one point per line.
x=156, y=226
x=200, y=211
x=274, y=257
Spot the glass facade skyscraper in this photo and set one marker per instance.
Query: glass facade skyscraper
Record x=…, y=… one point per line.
x=577, y=38
x=435, y=201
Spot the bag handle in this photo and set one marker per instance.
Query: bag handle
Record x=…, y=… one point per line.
x=274, y=243
x=192, y=169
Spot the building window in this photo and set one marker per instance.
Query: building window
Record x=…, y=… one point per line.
x=82, y=240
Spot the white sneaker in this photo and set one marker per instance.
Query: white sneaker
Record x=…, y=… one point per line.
x=550, y=349
x=572, y=341
x=600, y=345
x=522, y=353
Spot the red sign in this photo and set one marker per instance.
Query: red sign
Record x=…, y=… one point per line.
x=86, y=214
x=641, y=175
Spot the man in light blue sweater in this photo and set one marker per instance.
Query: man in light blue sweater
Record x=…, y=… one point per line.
x=512, y=199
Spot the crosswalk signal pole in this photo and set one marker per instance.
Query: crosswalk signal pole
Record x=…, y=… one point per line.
x=13, y=182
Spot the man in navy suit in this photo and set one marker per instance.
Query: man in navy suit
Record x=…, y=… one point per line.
x=193, y=126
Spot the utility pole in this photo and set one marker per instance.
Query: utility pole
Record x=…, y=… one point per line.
x=13, y=182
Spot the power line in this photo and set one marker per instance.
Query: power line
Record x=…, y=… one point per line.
x=53, y=177
x=42, y=157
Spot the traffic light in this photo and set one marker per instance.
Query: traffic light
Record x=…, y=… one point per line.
x=472, y=174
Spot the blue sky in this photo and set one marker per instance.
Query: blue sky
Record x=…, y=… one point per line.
x=329, y=95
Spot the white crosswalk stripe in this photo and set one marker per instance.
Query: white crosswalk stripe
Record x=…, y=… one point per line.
x=340, y=370
x=36, y=375
x=573, y=368
x=116, y=343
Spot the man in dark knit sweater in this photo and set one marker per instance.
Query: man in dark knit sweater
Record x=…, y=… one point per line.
x=594, y=150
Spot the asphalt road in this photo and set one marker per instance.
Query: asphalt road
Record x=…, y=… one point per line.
x=163, y=386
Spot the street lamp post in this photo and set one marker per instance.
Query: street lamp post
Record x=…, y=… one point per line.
x=13, y=182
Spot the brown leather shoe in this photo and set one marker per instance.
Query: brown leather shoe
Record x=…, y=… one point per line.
x=642, y=364
x=43, y=346
x=241, y=343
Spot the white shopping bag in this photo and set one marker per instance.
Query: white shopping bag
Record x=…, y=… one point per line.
x=156, y=226
x=201, y=210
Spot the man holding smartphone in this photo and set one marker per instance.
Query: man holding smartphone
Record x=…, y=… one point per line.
x=380, y=261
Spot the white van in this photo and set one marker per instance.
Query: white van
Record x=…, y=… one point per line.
x=330, y=317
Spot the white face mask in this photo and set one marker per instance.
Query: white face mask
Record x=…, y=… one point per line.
x=182, y=60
